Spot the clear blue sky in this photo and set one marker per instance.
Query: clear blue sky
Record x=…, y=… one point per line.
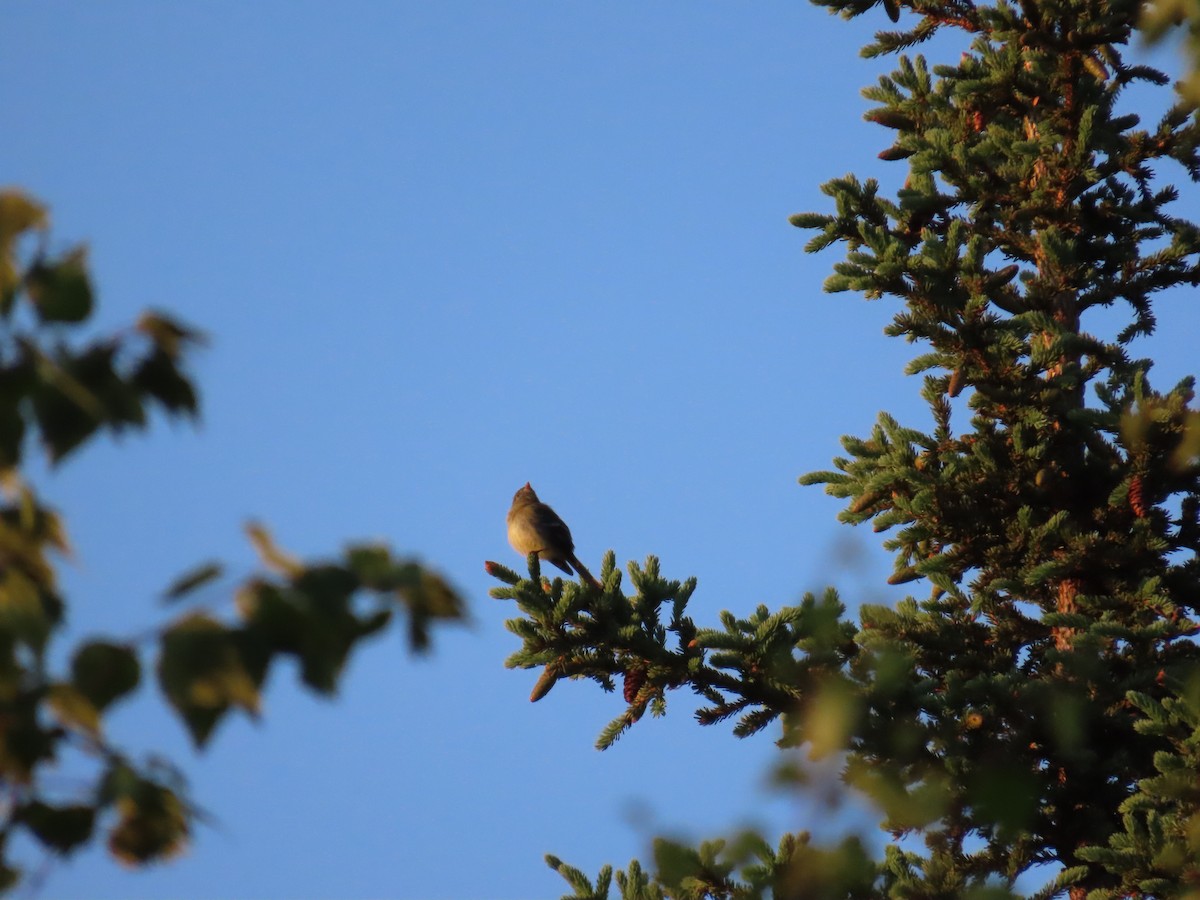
x=442, y=249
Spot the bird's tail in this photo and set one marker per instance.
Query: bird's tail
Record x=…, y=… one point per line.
x=583, y=572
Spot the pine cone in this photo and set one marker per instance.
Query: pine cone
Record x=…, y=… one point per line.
x=635, y=677
x=547, y=680
x=1137, y=500
x=956, y=383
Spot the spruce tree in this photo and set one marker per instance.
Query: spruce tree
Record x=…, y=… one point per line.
x=1036, y=702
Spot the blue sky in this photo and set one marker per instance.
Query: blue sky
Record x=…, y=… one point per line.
x=442, y=249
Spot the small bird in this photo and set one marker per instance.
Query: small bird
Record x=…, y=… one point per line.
x=533, y=527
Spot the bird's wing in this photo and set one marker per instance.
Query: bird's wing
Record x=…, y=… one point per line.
x=562, y=564
x=554, y=530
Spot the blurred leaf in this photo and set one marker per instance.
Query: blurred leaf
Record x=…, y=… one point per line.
x=104, y=672
x=373, y=565
x=159, y=376
x=153, y=825
x=117, y=403
x=22, y=613
x=324, y=647
x=167, y=334
x=15, y=383
x=25, y=742
x=61, y=828
x=831, y=717
x=190, y=581
x=675, y=862
x=328, y=587
x=120, y=779
x=73, y=708
x=270, y=554
x=61, y=290
x=65, y=401
x=26, y=530
x=202, y=673
x=1188, y=451
x=266, y=611
x=1135, y=425
x=1006, y=795
x=845, y=870
x=18, y=214
x=9, y=877
x=428, y=596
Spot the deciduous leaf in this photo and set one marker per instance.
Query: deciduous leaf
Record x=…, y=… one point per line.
x=67, y=397
x=428, y=596
x=168, y=335
x=190, y=581
x=22, y=613
x=202, y=673
x=61, y=828
x=266, y=611
x=73, y=708
x=18, y=214
x=373, y=565
x=15, y=382
x=268, y=551
x=327, y=587
x=27, y=742
x=104, y=672
x=61, y=290
x=160, y=377
x=153, y=825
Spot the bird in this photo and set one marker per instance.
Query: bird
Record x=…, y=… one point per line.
x=533, y=527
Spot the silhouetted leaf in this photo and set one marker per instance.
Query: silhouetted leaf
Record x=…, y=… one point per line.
x=190, y=581
x=61, y=290
x=15, y=383
x=22, y=613
x=77, y=394
x=428, y=596
x=73, y=708
x=153, y=823
x=61, y=828
x=9, y=876
x=104, y=672
x=372, y=563
x=268, y=551
x=329, y=587
x=19, y=213
x=266, y=611
x=323, y=651
x=26, y=742
x=159, y=376
x=168, y=335
x=202, y=674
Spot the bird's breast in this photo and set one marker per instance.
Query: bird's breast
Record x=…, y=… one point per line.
x=523, y=536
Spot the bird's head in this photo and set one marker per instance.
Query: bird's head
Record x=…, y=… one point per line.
x=525, y=495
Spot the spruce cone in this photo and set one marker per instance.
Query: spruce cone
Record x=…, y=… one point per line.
x=635, y=677
x=1137, y=500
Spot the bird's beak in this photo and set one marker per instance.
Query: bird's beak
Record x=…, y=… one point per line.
x=528, y=486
